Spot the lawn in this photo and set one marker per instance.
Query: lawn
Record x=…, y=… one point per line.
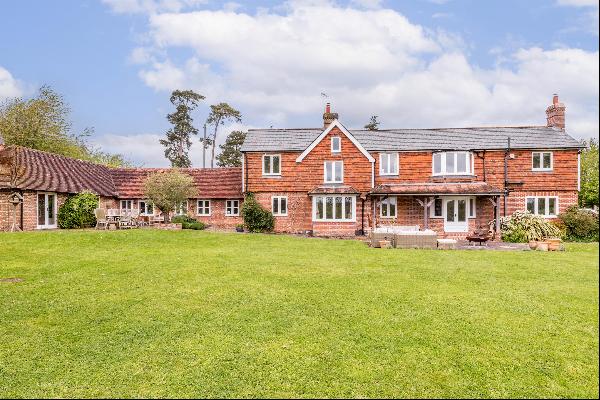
x=197, y=314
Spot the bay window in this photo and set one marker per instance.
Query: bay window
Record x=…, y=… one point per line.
x=334, y=208
x=452, y=163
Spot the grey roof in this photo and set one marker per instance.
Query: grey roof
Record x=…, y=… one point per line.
x=480, y=138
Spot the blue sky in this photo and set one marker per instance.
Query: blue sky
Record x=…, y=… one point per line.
x=414, y=63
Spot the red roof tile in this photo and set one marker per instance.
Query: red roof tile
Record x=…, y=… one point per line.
x=436, y=188
x=39, y=170
x=213, y=183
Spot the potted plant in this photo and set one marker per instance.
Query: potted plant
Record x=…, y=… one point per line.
x=385, y=243
x=553, y=244
x=239, y=228
x=533, y=244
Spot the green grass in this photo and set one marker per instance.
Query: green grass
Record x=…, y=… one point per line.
x=198, y=314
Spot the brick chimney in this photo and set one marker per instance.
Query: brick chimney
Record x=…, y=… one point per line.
x=555, y=114
x=328, y=116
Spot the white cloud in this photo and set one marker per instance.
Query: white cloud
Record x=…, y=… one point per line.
x=578, y=3
x=151, y=6
x=9, y=86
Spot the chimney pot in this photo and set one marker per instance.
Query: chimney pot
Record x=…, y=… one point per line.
x=555, y=114
x=328, y=116
x=555, y=99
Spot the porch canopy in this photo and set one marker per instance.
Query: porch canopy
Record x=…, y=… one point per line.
x=333, y=189
x=428, y=191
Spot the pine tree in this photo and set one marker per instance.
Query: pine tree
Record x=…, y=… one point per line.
x=219, y=114
x=373, y=124
x=231, y=155
x=178, y=138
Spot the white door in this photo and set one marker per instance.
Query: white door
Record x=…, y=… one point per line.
x=46, y=210
x=455, y=218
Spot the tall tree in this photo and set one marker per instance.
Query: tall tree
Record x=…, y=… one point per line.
x=178, y=138
x=43, y=123
x=588, y=195
x=231, y=154
x=373, y=124
x=219, y=114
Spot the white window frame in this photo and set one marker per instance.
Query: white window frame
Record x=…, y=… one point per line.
x=541, y=167
x=339, y=140
x=547, y=206
x=121, y=208
x=432, y=209
x=389, y=173
x=46, y=195
x=271, y=173
x=472, y=211
x=324, y=219
x=229, y=208
x=444, y=155
x=143, y=210
x=278, y=200
x=206, y=204
x=178, y=210
x=333, y=163
x=386, y=204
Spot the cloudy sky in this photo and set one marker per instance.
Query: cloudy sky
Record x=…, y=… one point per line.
x=420, y=63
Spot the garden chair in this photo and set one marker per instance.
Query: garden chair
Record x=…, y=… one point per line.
x=101, y=221
x=125, y=222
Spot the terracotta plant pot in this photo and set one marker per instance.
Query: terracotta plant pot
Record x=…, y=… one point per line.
x=554, y=244
x=533, y=244
x=542, y=246
x=385, y=244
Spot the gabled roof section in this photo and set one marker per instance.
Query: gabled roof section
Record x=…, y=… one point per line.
x=322, y=136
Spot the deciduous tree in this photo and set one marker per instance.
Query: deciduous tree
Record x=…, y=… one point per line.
x=588, y=196
x=166, y=190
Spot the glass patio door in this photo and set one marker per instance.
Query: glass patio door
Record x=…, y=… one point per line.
x=46, y=208
x=455, y=218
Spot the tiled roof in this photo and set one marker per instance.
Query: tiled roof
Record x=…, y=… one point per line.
x=334, y=189
x=214, y=183
x=479, y=138
x=39, y=170
x=436, y=188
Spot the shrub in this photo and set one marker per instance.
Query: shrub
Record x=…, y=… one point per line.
x=256, y=218
x=188, y=222
x=580, y=225
x=167, y=189
x=523, y=226
x=78, y=211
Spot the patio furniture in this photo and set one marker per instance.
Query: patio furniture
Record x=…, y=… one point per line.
x=113, y=216
x=479, y=235
x=158, y=219
x=126, y=222
x=446, y=244
x=404, y=237
x=101, y=222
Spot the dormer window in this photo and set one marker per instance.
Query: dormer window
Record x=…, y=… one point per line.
x=452, y=163
x=336, y=144
x=271, y=164
x=334, y=171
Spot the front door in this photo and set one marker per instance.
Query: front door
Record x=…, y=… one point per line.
x=46, y=210
x=455, y=219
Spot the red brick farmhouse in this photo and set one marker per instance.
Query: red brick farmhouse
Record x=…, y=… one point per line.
x=336, y=181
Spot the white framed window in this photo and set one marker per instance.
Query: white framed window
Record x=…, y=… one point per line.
x=437, y=208
x=203, y=207
x=334, y=172
x=472, y=207
x=452, y=163
x=334, y=208
x=388, y=164
x=181, y=208
x=545, y=206
x=542, y=161
x=388, y=207
x=145, y=207
x=279, y=205
x=336, y=144
x=232, y=208
x=126, y=205
x=271, y=164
